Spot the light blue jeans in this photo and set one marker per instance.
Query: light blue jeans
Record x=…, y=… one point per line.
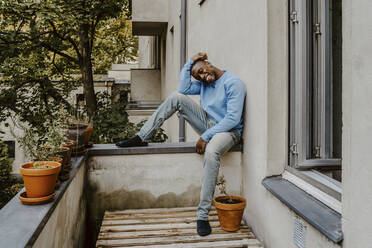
x=216, y=147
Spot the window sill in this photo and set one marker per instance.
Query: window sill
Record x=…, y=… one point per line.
x=317, y=214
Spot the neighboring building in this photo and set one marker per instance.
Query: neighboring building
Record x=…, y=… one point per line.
x=307, y=67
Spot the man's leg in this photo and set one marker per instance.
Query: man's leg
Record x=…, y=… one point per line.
x=193, y=113
x=217, y=146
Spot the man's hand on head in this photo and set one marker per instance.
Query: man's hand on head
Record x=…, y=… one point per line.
x=199, y=56
x=200, y=146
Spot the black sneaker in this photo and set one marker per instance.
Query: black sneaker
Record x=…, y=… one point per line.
x=203, y=228
x=132, y=142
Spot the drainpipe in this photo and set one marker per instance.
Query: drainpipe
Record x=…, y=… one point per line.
x=181, y=125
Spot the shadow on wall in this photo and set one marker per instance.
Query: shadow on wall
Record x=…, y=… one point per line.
x=123, y=199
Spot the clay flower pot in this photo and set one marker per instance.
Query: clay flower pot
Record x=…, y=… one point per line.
x=230, y=214
x=40, y=182
x=63, y=153
x=88, y=134
x=69, y=144
x=77, y=133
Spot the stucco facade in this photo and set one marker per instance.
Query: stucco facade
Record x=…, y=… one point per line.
x=250, y=39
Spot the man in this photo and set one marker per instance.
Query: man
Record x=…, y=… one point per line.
x=218, y=120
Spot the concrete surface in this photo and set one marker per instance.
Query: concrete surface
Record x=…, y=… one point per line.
x=145, y=85
x=357, y=123
x=59, y=223
x=150, y=16
x=249, y=39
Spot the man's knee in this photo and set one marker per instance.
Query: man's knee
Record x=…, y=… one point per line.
x=211, y=153
x=176, y=95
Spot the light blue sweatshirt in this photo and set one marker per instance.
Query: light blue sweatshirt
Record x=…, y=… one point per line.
x=223, y=100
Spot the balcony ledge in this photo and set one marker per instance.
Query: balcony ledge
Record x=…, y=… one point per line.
x=152, y=148
x=22, y=224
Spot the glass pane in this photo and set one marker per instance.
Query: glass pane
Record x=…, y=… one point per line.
x=336, y=12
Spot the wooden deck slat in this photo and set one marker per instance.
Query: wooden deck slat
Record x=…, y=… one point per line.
x=149, y=227
x=172, y=240
x=153, y=216
x=166, y=228
x=218, y=244
x=154, y=210
x=163, y=233
x=153, y=221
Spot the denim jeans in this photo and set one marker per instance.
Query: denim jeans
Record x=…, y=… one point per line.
x=216, y=147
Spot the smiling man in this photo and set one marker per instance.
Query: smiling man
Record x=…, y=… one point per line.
x=218, y=120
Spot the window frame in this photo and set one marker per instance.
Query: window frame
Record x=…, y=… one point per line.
x=310, y=123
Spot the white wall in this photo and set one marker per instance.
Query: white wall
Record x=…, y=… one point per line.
x=249, y=39
x=145, y=85
x=357, y=123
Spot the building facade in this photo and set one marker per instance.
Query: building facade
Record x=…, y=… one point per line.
x=307, y=121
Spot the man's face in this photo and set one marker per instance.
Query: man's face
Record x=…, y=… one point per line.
x=203, y=71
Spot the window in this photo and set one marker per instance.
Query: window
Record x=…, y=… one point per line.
x=315, y=86
x=80, y=99
x=11, y=148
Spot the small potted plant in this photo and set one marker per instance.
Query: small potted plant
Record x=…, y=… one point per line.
x=40, y=177
x=230, y=208
x=76, y=128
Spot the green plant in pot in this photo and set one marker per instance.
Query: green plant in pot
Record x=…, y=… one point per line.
x=230, y=208
x=55, y=140
x=39, y=175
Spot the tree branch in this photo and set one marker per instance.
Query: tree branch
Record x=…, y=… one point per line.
x=52, y=49
x=72, y=42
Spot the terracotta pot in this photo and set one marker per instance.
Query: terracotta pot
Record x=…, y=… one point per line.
x=40, y=182
x=230, y=215
x=69, y=144
x=77, y=133
x=63, y=153
x=59, y=160
x=88, y=134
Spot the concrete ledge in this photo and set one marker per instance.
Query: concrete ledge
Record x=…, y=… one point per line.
x=22, y=224
x=321, y=217
x=152, y=148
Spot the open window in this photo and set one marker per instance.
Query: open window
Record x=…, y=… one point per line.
x=315, y=123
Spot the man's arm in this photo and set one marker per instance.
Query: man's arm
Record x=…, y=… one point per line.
x=186, y=86
x=236, y=92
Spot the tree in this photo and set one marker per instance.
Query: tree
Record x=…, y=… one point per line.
x=114, y=44
x=58, y=36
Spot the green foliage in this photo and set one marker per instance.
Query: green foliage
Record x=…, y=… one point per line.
x=114, y=44
x=8, y=186
x=41, y=147
x=42, y=43
x=111, y=123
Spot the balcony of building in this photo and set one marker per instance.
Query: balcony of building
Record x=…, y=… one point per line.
x=164, y=178
x=150, y=17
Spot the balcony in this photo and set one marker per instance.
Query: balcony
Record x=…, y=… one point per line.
x=110, y=178
x=150, y=17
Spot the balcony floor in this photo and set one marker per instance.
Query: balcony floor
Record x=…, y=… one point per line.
x=167, y=227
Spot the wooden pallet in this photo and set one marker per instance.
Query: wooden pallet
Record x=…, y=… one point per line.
x=167, y=228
